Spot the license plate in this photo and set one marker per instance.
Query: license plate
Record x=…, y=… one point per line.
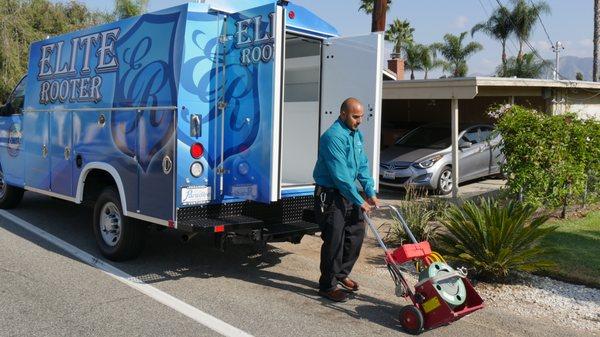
x=389, y=175
x=195, y=195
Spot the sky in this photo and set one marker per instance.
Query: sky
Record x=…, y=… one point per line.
x=570, y=22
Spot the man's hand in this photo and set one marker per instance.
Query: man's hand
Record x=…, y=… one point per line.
x=365, y=207
x=373, y=201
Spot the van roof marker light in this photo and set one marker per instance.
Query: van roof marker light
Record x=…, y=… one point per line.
x=292, y=15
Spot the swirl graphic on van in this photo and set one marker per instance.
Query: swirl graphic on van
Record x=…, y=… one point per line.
x=145, y=80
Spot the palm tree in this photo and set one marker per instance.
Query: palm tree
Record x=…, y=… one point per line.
x=524, y=16
x=414, y=57
x=499, y=26
x=456, y=54
x=429, y=61
x=400, y=33
x=526, y=67
x=368, y=6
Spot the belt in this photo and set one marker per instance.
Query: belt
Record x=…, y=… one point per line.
x=322, y=189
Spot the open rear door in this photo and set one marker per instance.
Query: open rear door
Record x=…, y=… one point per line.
x=250, y=104
x=352, y=67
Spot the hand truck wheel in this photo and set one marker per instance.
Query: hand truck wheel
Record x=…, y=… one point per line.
x=411, y=319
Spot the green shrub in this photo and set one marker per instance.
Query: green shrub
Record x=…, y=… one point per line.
x=549, y=159
x=495, y=239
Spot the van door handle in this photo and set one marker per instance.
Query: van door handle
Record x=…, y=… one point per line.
x=196, y=126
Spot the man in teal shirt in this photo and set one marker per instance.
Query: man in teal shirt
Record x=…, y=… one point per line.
x=338, y=204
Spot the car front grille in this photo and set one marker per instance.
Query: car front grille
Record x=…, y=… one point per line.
x=395, y=166
x=399, y=180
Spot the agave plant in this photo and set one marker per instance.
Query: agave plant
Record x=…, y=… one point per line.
x=495, y=239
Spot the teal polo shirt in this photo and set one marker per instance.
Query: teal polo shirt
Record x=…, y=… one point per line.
x=342, y=161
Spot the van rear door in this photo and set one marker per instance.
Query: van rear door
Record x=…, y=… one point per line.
x=250, y=104
x=352, y=67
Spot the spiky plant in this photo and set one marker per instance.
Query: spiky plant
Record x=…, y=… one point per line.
x=495, y=239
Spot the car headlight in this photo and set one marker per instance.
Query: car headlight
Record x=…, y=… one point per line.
x=425, y=164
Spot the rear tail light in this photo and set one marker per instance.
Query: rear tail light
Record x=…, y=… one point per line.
x=197, y=150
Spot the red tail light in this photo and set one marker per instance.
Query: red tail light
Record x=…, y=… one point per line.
x=220, y=229
x=197, y=150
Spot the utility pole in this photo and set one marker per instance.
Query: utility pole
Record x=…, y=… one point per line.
x=557, y=48
x=379, y=11
x=596, y=70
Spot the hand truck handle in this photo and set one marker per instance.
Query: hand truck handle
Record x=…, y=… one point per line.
x=374, y=230
x=402, y=221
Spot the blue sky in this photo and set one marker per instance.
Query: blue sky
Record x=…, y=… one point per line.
x=571, y=22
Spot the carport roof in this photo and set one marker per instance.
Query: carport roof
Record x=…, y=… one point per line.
x=468, y=87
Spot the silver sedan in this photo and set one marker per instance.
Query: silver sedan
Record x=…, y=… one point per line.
x=423, y=157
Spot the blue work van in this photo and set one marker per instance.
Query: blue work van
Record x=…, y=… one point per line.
x=201, y=117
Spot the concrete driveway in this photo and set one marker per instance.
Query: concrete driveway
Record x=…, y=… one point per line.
x=47, y=292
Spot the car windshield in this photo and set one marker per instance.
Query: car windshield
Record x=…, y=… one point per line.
x=432, y=137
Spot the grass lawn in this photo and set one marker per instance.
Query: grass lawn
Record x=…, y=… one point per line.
x=576, y=250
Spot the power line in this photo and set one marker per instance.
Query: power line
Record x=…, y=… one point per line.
x=533, y=50
x=543, y=26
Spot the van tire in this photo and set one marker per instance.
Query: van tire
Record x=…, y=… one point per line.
x=10, y=196
x=119, y=238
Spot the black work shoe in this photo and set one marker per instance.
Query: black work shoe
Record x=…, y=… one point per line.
x=335, y=295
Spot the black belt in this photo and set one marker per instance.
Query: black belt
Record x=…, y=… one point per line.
x=322, y=189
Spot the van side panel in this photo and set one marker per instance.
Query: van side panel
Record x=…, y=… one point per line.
x=107, y=94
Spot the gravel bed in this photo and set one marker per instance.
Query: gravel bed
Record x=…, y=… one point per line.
x=534, y=296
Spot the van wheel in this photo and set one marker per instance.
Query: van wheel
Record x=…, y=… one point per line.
x=445, y=181
x=10, y=196
x=119, y=238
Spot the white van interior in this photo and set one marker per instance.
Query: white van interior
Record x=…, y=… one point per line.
x=300, y=116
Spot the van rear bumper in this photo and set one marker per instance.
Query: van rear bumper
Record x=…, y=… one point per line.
x=286, y=220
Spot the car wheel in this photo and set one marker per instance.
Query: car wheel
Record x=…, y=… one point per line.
x=119, y=238
x=445, y=181
x=10, y=196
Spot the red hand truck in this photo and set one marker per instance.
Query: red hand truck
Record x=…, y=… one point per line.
x=441, y=296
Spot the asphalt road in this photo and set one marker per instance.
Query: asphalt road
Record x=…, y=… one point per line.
x=45, y=291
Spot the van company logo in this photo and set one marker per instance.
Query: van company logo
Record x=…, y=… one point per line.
x=65, y=70
x=14, y=140
x=255, y=39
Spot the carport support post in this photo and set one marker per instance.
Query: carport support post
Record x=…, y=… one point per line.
x=454, y=127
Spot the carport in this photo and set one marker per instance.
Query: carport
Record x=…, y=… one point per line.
x=467, y=100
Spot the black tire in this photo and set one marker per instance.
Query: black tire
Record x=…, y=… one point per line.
x=10, y=196
x=442, y=185
x=120, y=243
x=411, y=319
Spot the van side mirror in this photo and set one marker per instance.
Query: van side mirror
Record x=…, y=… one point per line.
x=464, y=145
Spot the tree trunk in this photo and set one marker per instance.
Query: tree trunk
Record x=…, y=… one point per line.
x=426, y=72
x=412, y=74
x=504, y=50
x=596, y=67
x=378, y=20
x=520, y=55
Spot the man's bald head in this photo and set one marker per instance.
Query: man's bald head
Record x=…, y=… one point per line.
x=351, y=112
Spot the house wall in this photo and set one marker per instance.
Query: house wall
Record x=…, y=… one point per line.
x=585, y=104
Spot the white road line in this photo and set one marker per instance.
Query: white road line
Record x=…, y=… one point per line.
x=158, y=295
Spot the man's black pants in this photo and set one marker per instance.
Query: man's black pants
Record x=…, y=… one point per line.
x=342, y=230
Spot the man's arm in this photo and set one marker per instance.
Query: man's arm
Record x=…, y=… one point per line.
x=364, y=176
x=335, y=158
